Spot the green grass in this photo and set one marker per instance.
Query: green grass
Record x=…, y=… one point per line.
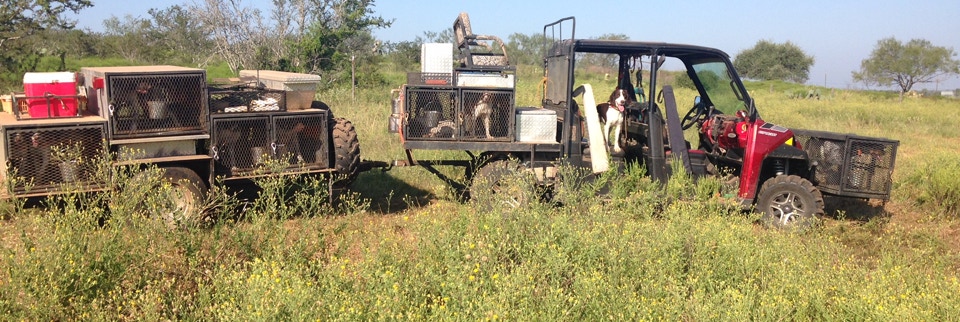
x=403, y=248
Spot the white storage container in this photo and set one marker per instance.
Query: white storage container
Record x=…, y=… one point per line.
x=497, y=80
x=301, y=88
x=536, y=125
x=436, y=58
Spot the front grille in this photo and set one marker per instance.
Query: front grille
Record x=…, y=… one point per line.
x=145, y=105
x=459, y=114
x=850, y=165
x=42, y=159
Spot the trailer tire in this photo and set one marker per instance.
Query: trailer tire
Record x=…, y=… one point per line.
x=185, y=196
x=502, y=184
x=320, y=105
x=789, y=202
x=346, y=149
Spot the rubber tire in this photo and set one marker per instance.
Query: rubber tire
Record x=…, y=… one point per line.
x=188, y=191
x=320, y=105
x=495, y=186
x=346, y=149
x=789, y=202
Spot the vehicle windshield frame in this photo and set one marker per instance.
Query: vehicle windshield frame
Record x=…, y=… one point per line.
x=719, y=85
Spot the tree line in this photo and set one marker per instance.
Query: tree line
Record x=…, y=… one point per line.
x=322, y=37
x=328, y=37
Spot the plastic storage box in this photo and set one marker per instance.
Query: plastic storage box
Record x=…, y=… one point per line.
x=536, y=125
x=301, y=88
x=51, y=94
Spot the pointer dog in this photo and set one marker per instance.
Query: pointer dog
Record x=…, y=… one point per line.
x=611, y=115
x=481, y=113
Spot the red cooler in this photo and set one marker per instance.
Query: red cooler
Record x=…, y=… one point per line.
x=58, y=89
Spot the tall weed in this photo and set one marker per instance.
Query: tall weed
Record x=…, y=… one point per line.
x=935, y=186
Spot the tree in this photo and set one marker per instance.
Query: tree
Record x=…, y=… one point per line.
x=238, y=31
x=22, y=19
x=128, y=38
x=180, y=37
x=527, y=49
x=340, y=34
x=404, y=54
x=771, y=61
x=906, y=65
x=601, y=62
x=312, y=36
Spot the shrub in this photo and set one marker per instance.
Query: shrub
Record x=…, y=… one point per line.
x=936, y=186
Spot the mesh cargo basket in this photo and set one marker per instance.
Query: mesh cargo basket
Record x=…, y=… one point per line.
x=850, y=165
x=239, y=99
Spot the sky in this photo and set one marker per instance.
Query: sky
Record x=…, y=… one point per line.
x=839, y=34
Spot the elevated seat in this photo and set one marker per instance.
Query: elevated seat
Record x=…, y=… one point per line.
x=478, y=52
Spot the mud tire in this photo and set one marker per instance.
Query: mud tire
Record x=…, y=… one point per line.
x=790, y=202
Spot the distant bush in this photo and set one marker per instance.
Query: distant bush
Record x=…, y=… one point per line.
x=936, y=186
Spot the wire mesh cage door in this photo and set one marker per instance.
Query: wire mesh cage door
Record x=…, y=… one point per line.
x=431, y=114
x=143, y=105
x=301, y=139
x=43, y=159
x=869, y=166
x=827, y=152
x=487, y=115
x=240, y=144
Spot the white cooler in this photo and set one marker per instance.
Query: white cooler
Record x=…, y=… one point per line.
x=301, y=88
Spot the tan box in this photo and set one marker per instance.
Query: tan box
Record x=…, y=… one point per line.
x=301, y=88
x=7, y=102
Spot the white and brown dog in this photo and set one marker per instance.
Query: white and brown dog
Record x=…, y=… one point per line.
x=611, y=115
x=481, y=113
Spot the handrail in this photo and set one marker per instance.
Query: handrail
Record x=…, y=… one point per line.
x=558, y=26
x=48, y=97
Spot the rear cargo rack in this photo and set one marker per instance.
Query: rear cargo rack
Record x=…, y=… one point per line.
x=50, y=100
x=850, y=165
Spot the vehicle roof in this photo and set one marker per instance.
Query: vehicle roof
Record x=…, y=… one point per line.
x=681, y=51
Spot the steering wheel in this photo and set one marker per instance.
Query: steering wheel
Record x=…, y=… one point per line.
x=694, y=116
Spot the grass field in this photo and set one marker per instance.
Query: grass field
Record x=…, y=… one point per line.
x=402, y=247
